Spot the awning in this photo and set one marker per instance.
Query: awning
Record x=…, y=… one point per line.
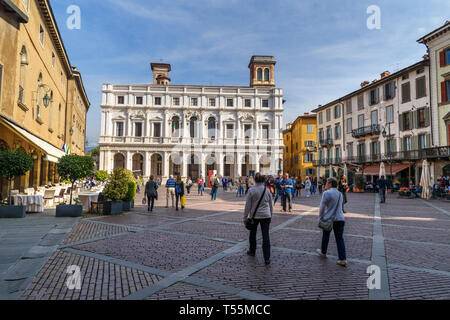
x=52, y=153
x=375, y=170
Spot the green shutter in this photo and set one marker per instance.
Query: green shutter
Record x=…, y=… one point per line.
x=378, y=148
x=394, y=145
x=400, y=121
x=428, y=141
x=427, y=117
x=414, y=142
x=414, y=123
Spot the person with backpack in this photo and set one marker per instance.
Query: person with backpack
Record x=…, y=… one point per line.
x=259, y=210
x=150, y=191
x=331, y=217
x=179, y=192
x=215, y=188
x=200, y=184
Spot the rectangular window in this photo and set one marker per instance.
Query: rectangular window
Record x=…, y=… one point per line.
x=389, y=114
x=361, y=149
x=329, y=133
x=421, y=118
x=248, y=103
x=212, y=102
x=445, y=96
x=230, y=130
x=360, y=121
x=374, y=117
x=157, y=130
x=350, y=150
x=119, y=129
x=310, y=128
x=265, y=103
x=389, y=146
x=419, y=71
x=337, y=111
x=447, y=56
x=360, y=102
x=138, y=129
x=389, y=91
x=194, y=102
x=320, y=117
x=374, y=97
x=348, y=106
x=53, y=59
x=337, y=132
x=157, y=101
x=41, y=35
x=176, y=101
x=265, y=131
x=320, y=134
x=406, y=92
x=328, y=114
x=422, y=141
x=349, y=125
x=139, y=100
x=374, y=148
x=248, y=132
x=296, y=146
x=120, y=100
x=407, y=125
x=420, y=87
x=405, y=76
x=407, y=143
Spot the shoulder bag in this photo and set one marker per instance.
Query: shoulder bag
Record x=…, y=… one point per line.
x=249, y=223
x=327, y=225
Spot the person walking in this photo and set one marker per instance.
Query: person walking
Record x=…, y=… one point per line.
x=224, y=183
x=200, y=184
x=331, y=208
x=278, y=189
x=342, y=187
x=150, y=192
x=215, y=188
x=188, y=185
x=320, y=184
x=240, y=188
x=287, y=184
x=308, y=187
x=314, y=186
x=170, y=191
x=298, y=187
x=259, y=209
x=382, y=184
x=179, y=192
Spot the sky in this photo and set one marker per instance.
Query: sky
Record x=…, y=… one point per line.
x=323, y=48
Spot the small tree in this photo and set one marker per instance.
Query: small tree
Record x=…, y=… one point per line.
x=74, y=167
x=14, y=164
x=117, y=187
x=132, y=184
x=101, y=175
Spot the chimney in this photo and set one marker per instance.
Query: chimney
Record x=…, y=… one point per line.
x=364, y=84
x=373, y=81
x=426, y=57
x=385, y=74
x=160, y=73
x=306, y=113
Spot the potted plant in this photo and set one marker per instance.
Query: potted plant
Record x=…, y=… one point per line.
x=115, y=190
x=13, y=164
x=128, y=200
x=72, y=168
x=404, y=192
x=359, y=182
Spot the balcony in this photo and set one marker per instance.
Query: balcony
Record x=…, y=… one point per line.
x=422, y=154
x=365, y=131
x=326, y=142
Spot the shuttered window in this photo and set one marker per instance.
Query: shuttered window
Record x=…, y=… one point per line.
x=389, y=91
x=389, y=114
x=420, y=87
x=406, y=92
x=348, y=106
x=360, y=102
x=374, y=96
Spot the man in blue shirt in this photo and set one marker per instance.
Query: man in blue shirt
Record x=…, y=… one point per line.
x=224, y=183
x=278, y=190
x=287, y=185
x=170, y=188
x=382, y=184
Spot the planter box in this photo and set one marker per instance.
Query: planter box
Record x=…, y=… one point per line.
x=112, y=208
x=127, y=205
x=72, y=211
x=13, y=211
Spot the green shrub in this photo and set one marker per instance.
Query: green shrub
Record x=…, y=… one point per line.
x=359, y=181
x=117, y=187
x=14, y=164
x=74, y=167
x=131, y=193
x=101, y=175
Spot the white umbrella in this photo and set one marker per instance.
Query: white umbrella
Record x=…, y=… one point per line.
x=345, y=170
x=382, y=170
x=331, y=171
x=425, y=180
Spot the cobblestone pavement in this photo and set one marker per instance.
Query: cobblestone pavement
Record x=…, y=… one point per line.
x=200, y=253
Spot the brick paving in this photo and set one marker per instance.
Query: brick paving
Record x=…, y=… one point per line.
x=202, y=249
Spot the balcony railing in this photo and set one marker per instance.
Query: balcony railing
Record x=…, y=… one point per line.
x=428, y=153
x=326, y=142
x=365, y=131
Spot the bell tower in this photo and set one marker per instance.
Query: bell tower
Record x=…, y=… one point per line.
x=161, y=73
x=262, y=69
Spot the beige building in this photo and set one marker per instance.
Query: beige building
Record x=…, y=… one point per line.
x=43, y=103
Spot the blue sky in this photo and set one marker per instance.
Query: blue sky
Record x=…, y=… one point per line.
x=323, y=48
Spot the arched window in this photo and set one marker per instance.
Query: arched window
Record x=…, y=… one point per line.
x=175, y=126
x=259, y=74
x=23, y=73
x=266, y=74
x=211, y=128
x=193, y=127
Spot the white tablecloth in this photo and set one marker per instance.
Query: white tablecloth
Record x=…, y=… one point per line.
x=34, y=203
x=87, y=198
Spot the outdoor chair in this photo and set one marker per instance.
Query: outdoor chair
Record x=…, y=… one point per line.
x=60, y=196
x=49, y=195
x=98, y=206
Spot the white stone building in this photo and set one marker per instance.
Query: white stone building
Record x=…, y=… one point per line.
x=162, y=129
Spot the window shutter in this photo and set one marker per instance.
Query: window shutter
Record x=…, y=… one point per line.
x=442, y=58
x=378, y=148
x=394, y=89
x=427, y=116
x=428, y=141
x=413, y=119
x=377, y=95
x=400, y=121
x=414, y=142
x=394, y=145
x=401, y=144
x=443, y=92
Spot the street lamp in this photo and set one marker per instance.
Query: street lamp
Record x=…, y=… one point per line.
x=390, y=151
x=47, y=99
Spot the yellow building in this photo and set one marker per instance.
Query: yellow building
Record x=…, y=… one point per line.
x=300, y=146
x=43, y=103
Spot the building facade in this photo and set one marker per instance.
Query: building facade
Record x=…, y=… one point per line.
x=162, y=129
x=438, y=45
x=43, y=103
x=300, y=146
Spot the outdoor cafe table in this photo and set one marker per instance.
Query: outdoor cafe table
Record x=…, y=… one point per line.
x=34, y=203
x=87, y=198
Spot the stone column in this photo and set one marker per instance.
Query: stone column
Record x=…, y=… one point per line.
x=184, y=165
x=165, y=165
x=147, y=165
x=257, y=156
x=203, y=165
x=129, y=161
x=220, y=166
x=238, y=165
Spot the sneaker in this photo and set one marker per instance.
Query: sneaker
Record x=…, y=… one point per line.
x=267, y=262
x=342, y=263
x=322, y=255
x=252, y=254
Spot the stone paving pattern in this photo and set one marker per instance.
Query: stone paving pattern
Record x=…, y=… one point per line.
x=206, y=245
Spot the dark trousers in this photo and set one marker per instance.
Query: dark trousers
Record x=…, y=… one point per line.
x=151, y=202
x=265, y=223
x=178, y=199
x=338, y=228
x=382, y=195
x=188, y=188
x=287, y=198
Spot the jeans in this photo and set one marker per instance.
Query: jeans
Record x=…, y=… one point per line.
x=278, y=194
x=338, y=228
x=240, y=191
x=382, y=195
x=214, y=192
x=265, y=223
x=287, y=198
x=151, y=202
x=201, y=189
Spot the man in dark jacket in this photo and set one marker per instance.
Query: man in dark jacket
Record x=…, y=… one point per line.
x=382, y=184
x=150, y=192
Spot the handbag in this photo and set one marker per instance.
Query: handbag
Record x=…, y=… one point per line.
x=327, y=225
x=183, y=201
x=249, y=223
x=144, y=201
